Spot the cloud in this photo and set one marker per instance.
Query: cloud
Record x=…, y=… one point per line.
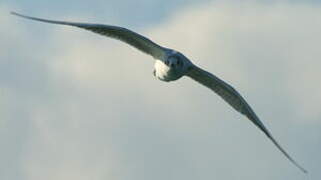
x=76, y=105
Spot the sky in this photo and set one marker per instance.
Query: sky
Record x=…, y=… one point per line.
x=76, y=105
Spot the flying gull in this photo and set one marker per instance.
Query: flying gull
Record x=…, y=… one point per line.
x=171, y=65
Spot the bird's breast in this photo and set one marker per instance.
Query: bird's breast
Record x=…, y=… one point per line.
x=165, y=73
x=161, y=70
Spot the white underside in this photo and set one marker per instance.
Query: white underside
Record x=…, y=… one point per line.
x=161, y=70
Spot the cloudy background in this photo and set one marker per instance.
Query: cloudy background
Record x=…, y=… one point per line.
x=76, y=105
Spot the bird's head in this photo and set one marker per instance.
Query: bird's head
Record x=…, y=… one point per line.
x=177, y=61
x=172, y=67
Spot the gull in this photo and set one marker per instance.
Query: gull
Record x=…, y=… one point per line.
x=171, y=65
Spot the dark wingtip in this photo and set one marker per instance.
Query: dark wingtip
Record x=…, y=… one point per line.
x=305, y=171
x=14, y=13
x=286, y=154
x=17, y=14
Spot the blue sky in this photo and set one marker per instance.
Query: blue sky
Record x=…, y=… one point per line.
x=75, y=105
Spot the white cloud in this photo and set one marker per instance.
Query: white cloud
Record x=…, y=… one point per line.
x=89, y=107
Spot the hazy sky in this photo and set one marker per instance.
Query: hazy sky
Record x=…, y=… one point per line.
x=76, y=105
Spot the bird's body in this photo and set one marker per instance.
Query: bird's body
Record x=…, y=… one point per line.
x=163, y=72
x=171, y=65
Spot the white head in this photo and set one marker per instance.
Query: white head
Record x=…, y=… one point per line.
x=173, y=67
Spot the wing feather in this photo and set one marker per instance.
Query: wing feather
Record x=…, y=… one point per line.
x=232, y=97
x=130, y=37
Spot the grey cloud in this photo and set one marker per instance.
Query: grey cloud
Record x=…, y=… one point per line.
x=87, y=107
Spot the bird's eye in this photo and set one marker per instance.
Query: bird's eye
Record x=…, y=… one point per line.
x=166, y=62
x=180, y=63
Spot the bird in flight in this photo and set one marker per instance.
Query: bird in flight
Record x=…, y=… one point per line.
x=170, y=65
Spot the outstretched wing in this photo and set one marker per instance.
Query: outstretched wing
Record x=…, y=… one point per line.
x=134, y=39
x=232, y=97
